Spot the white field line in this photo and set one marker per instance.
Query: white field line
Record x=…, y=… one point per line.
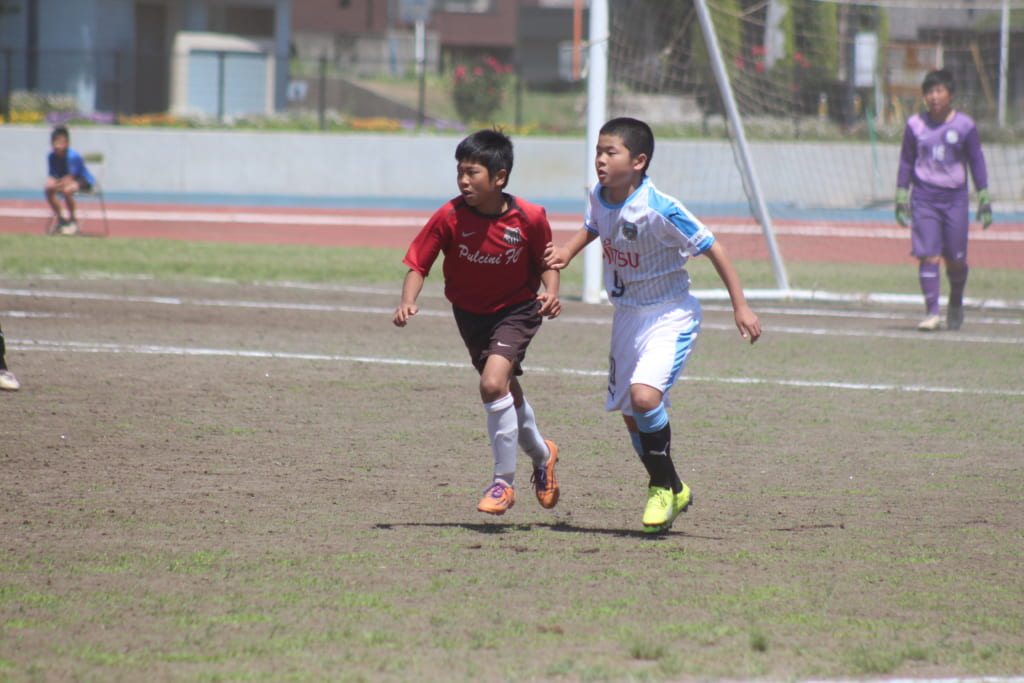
x=865, y=315
x=823, y=228
x=148, y=349
x=567, y=319
x=966, y=679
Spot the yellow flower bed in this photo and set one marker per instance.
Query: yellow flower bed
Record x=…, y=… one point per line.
x=376, y=124
x=24, y=117
x=149, y=120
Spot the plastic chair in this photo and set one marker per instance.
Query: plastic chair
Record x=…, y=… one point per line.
x=96, y=161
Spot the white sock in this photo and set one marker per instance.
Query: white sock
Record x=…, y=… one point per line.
x=530, y=439
x=503, y=430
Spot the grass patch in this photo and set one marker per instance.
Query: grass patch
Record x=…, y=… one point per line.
x=38, y=255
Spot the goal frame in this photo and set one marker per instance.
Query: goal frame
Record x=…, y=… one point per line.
x=597, y=96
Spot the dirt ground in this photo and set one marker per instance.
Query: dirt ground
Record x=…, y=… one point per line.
x=211, y=481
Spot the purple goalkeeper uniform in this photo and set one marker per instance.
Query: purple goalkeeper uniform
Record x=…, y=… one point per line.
x=934, y=161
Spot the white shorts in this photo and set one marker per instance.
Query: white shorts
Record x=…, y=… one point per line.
x=650, y=347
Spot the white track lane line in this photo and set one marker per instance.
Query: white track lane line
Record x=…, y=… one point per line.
x=803, y=228
x=152, y=349
x=958, y=338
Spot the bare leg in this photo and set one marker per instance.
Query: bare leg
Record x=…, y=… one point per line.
x=51, y=198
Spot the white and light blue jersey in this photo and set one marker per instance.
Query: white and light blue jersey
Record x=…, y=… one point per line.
x=646, y=241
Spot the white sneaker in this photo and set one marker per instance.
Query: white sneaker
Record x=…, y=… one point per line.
x=69, y=228
x=931, y=323
x=8, y=382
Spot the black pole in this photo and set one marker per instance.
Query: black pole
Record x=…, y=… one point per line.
x=520, y=91
x=422, y=104
x=322, y=99
x=117, y=86
x=8, y=58
x=32, y=45
x=221, y=59
x=851, y=64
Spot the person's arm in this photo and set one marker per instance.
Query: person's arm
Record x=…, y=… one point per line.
x=53, y=167
x=746, y=320
x=558, y=257
x=979, y=171
x=908, y=155
x=76, y=165
x=550, y=305
x=411, y=288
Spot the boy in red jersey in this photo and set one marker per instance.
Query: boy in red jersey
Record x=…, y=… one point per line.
x=493, y=245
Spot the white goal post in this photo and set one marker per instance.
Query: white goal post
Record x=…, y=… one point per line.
x=597, y=113
x=813, y=93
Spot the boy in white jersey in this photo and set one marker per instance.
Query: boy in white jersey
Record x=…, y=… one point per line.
x=647, y=238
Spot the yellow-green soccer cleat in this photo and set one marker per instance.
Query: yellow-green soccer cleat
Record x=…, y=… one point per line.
x=656, y=505
x=683, y=501
x=660, y=506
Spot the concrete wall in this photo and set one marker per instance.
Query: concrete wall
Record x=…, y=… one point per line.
x=395, y=167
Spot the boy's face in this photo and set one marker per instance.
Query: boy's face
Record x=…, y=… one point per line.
x=939, y=100
x=60, y=145
x=477, y=185
x=616, y=166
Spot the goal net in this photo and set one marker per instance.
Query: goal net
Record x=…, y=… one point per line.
x=823, y=89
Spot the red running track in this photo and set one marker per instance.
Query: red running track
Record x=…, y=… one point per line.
x=1001, y=246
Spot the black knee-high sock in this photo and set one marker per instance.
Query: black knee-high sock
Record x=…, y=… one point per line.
x=658, y=461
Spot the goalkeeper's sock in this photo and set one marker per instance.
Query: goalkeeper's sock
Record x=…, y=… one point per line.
x=957, y=282
x=928, y=274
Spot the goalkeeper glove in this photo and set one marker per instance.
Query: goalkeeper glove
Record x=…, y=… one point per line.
x=984, y=209
x=902, y=206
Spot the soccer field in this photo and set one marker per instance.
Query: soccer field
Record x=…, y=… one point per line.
x=209, y=480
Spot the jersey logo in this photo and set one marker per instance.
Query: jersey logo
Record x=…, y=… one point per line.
x=513, y=237
x=629, y=230
x=952, y=137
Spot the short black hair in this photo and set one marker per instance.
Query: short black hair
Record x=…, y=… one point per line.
x=636, y=135
x=59, y=131
x=938, y=77
x=490, y=148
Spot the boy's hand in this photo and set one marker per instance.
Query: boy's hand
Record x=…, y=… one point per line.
x=550, y=305
x=748, y=324
x=902, y=206
x=984, y=209
x=555, y=257
x=403, y=313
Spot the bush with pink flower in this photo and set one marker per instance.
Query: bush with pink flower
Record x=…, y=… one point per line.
x=478, y=90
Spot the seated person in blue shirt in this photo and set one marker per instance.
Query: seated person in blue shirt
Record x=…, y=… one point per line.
x=68, y=175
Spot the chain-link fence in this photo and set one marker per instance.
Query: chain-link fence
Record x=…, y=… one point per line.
x=213, y=86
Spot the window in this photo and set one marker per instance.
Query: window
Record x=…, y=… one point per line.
x=464, y=6
x=249, y=21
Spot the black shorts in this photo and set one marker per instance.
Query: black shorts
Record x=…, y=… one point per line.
x=83, y=185
x=505, y=333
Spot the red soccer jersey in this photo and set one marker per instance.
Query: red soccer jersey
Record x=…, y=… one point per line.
x=489, y=261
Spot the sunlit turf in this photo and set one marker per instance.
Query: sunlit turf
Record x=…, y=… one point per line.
x=38, y=255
